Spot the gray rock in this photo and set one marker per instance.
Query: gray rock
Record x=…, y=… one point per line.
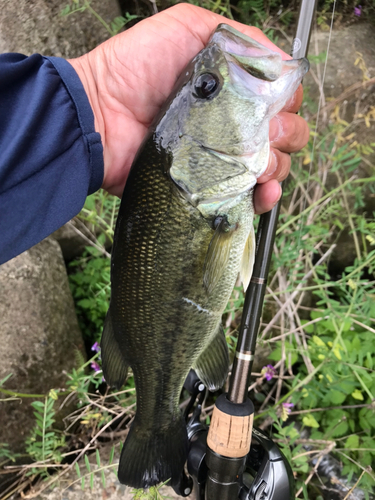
x=29, y=26
x=341, y=73
x=39, y=333
x=72, y=239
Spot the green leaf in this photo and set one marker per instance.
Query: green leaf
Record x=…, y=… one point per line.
x=356, y=344
x=37, y=404
x=352, y=424
x=85, y=303
x=357, y=394
x=2, y=382
x=308, y=328
x=88, y=466
x=347, y=324
x=335, y=397
x=318, y=341
x=111, y=455
x=101, y=240
x=78, y=471
x=352, y=441
x=310, y=421
x=369, y=361
x=65, y=11
x=347, y=386
x=367, y=415
x=316, y=315
x=365, y=458
x=90, y=203
x=260, y=397
x=341, y=429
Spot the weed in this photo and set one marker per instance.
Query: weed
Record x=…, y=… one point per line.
x=112, y=28
x=44, y=444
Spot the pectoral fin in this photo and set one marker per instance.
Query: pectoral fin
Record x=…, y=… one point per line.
x=247, y=262
x=217, y=255
x=115, y=369
x=212, y=365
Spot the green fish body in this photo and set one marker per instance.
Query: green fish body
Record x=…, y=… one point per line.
x=184, y=231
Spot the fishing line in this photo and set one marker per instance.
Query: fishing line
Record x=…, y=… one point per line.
x=289, y=318
x=304, y=218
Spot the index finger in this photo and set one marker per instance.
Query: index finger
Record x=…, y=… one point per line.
x=201, y=23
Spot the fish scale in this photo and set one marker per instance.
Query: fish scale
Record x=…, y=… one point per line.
x=183, y=233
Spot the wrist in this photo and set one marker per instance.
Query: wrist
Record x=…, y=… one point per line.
x=85, y=72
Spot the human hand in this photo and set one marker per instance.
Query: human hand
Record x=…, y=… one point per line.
x=129, y=77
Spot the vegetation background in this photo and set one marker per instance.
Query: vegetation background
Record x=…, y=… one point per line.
x=314, y=387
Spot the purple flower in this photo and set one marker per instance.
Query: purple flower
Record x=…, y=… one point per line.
x=96, y=347
x=94, y=365
x=268, y=372
x=288, y=406
x=358, y=10
x=285, y=410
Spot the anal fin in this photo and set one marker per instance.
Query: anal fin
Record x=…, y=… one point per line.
x=212, y=365
x=115, y=369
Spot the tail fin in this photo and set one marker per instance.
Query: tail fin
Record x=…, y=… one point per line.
x=153, y=456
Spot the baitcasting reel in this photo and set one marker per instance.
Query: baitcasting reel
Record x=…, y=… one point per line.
x=264, y=474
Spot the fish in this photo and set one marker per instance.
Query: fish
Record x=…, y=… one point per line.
x=183, y=233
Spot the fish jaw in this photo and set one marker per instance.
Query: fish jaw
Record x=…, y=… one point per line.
x=262, y=63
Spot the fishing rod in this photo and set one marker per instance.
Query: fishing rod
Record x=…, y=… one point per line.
x=232, y=460
x=265, y=239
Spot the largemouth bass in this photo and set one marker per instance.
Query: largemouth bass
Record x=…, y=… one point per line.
x=184, y=231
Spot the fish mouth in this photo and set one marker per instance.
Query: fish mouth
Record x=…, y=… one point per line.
x=254, y=58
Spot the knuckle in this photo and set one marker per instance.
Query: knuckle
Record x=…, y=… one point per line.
x=257, y=31
x=295, y=133
x=306, y=134
x=284, y=166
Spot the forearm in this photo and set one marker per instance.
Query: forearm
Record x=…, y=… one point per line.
x=51, y=157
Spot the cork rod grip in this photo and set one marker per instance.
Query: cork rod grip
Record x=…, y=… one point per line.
x=230, y=435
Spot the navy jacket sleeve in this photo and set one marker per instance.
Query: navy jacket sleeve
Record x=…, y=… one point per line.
x=51, y=158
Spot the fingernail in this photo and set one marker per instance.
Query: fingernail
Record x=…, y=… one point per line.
x=280, y=193
x=276, y=129
x=273, y=164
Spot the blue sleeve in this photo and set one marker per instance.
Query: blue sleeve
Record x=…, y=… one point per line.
x=51, y=158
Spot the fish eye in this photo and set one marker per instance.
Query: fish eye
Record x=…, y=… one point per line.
x=206, y=85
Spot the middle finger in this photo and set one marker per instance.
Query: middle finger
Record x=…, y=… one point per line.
x=288, y=132
x=278, y=167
